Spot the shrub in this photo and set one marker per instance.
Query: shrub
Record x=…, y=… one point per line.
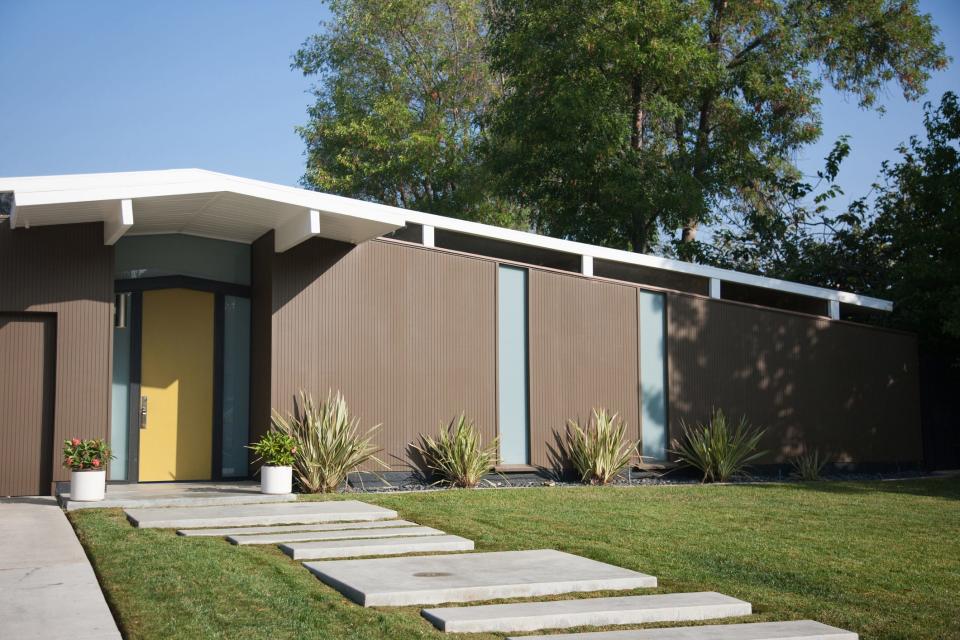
x=457, y=454
x=82, y=455
x=599, y=452
x=329, y=443
x=808, y=466
x=275, y=449
x=718, y=450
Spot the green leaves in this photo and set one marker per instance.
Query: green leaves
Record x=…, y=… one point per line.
x=329, y=442
x=401, y=89
x=598, y=451
x=457, y=454
x=622, y=120
x=716, y=449
x=275, y=449
x=81, y=455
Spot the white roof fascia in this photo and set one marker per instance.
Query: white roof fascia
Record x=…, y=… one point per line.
x=148, y=184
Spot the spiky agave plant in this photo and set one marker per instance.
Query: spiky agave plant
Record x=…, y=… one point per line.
x=599, y=451
x=716, y=449
x=457, y=454
x=809, y=465
x=329, y=443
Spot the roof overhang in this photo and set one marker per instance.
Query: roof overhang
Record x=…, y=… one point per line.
x=216, y=205
x=196, y=202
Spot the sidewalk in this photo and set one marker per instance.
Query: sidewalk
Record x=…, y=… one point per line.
x=47, y=586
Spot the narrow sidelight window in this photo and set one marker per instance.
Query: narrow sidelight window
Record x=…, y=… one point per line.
x=512, y=365
x=120, y=388
x=236, y=386
x=653, y=375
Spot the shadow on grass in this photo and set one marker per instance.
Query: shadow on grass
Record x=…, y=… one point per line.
x=947, y=488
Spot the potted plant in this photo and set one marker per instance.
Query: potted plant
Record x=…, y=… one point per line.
x=276, y=451
x=87, y=461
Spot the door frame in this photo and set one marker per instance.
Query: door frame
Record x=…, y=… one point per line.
x=136, y=287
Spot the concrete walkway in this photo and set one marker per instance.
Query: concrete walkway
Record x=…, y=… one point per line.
x=47, y=586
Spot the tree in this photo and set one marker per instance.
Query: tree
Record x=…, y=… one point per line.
x=917, y=230
x=401, y=88
x=901, y=243
x=624, y=119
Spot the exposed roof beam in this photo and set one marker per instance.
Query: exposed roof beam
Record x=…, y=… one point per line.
x=302, y=226
x=119, y=223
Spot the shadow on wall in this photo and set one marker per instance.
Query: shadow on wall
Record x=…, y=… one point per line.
x=849, y=391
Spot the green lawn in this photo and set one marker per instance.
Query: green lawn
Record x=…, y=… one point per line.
x=880, y=558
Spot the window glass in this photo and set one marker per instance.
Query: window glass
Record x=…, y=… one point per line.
x=236, y=385
x=512, y=365
x=653, y=375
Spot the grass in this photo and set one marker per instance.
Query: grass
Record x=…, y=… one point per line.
x=880, y=558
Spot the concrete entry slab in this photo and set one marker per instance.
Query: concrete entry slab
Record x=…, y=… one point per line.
x=343, y=534
x=795, y=630
x=470, y=577
x=257, y=514
x=597, y=612
x=176, y=494
x=386, y=547
x=290, y=528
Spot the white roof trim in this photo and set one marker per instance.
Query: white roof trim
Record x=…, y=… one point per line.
x=644, y=260
x=48, y=190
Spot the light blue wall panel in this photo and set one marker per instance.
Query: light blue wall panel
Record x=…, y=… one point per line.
x=176, y=254
x=653, y=374
x=512, y=365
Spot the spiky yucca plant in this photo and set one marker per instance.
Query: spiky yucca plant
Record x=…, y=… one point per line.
x=457, y=455
x=599, y=452
x=329, y=442
x=809, y=465
x=718, y=450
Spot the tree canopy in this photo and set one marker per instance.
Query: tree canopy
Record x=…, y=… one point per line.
x=401, y=88
x=621, y=120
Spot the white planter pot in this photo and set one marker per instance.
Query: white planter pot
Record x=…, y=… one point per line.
x=88, y=486
x=276, y=480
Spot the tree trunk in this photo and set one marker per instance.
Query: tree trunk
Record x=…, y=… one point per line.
x=639, y=242
x=702, y=142
x=636, y=133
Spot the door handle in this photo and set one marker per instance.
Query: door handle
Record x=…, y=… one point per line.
x=143, y=412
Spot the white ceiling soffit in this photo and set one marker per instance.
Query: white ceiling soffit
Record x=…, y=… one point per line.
x=196, y=202
x=216, y=205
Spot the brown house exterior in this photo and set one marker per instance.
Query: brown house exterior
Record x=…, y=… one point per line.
x=414, y=318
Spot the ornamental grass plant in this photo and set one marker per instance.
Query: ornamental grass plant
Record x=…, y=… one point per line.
x=599, y=451
x=457, y=455
x=718, y=449
x=330, y=444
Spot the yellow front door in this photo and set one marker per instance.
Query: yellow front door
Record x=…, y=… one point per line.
x=176, y=381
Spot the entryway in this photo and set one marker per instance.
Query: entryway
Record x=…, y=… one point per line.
x=181, y=360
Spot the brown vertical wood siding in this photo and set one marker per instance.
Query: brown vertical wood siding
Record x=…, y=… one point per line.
x=847, y=390
x=407, y=334
x=27, y=345
x=583, y=354
x=66, y=270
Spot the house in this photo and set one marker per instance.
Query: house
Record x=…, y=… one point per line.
x=169, y=311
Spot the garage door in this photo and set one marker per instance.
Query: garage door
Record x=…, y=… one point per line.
x=26, y=404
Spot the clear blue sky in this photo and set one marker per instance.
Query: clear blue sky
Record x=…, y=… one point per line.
x=123, y=85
